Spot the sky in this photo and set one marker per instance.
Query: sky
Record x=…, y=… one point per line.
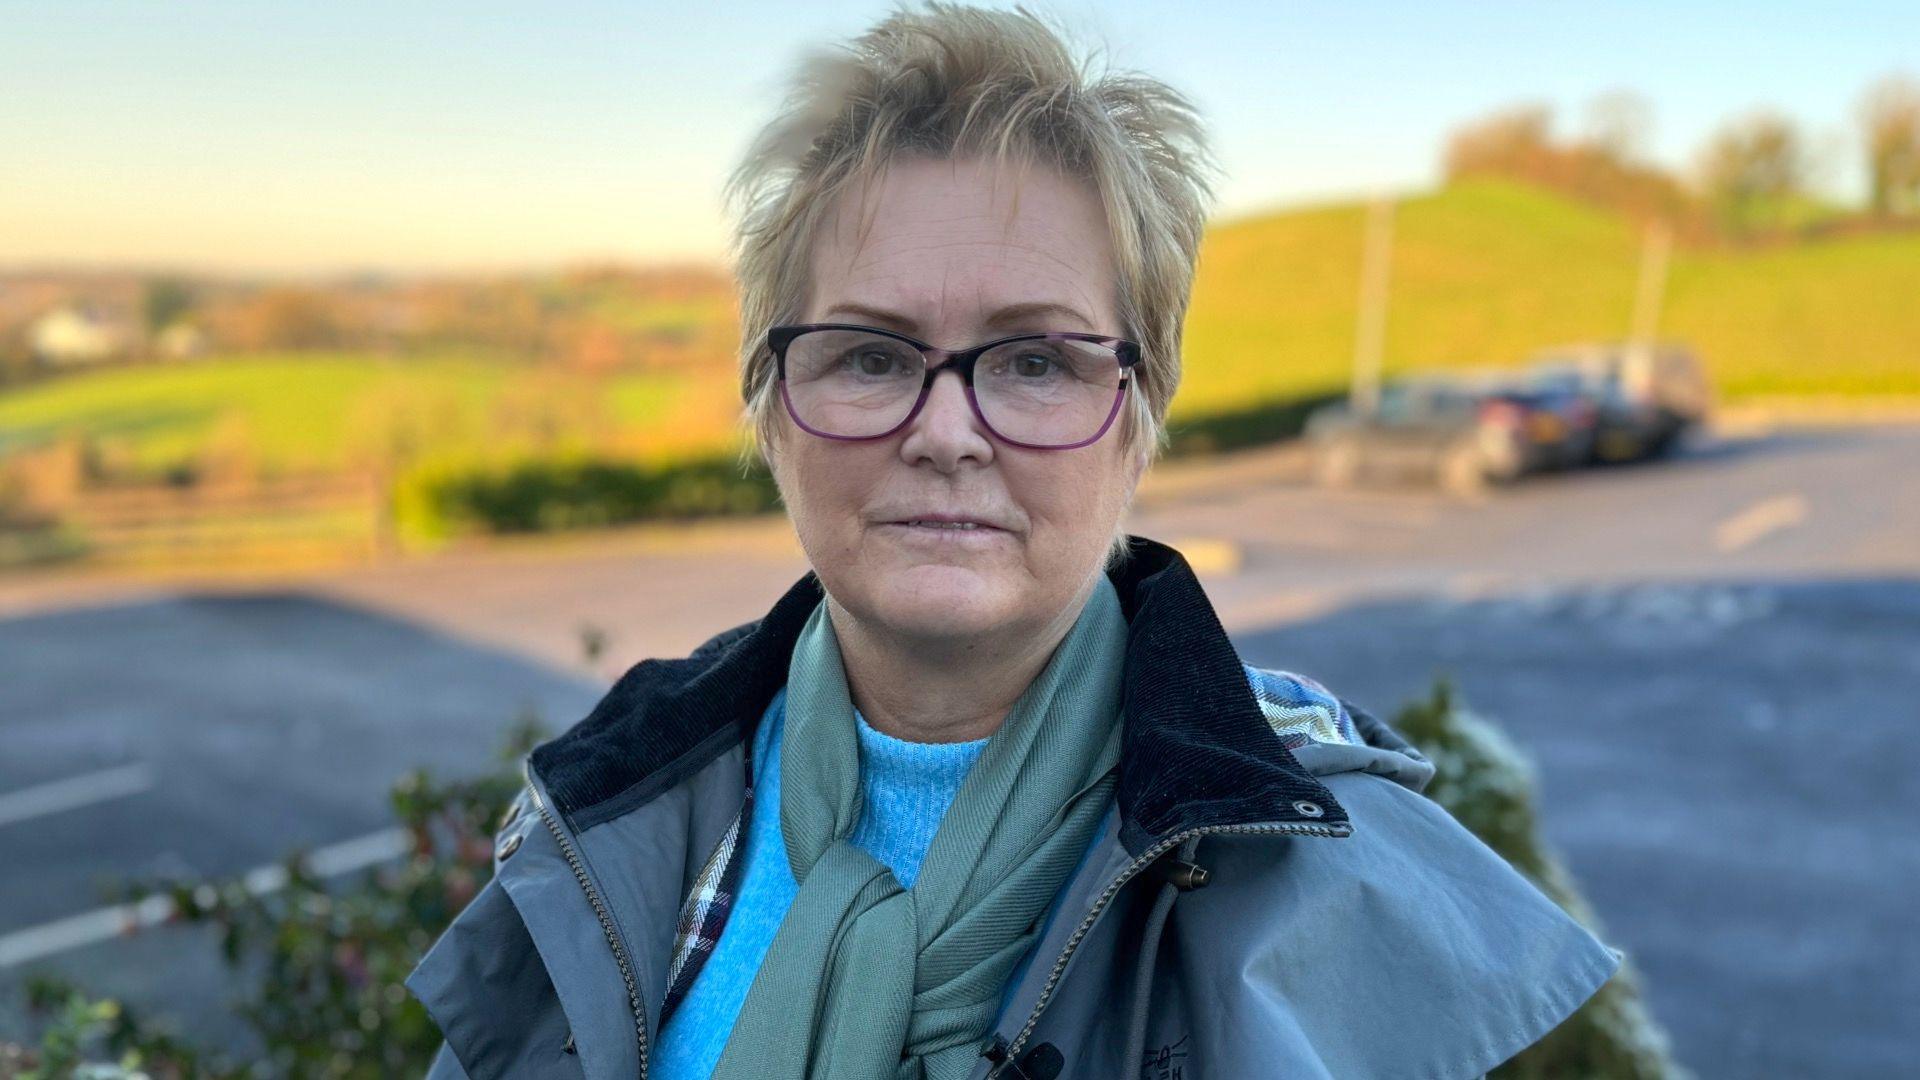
x=298, y=138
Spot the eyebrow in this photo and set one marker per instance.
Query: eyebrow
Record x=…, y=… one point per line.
x=1007, y=316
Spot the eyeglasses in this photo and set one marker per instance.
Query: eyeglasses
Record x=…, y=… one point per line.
x=1057, y=391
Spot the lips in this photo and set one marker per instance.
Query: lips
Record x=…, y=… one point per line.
x=951, y=521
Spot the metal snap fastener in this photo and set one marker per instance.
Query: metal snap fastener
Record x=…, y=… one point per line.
x=508, y=846
x=1308, y=809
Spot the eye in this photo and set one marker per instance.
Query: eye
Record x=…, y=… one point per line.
x=871, y=362
x=1031, y=361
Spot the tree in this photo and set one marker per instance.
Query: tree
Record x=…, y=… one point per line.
x=1890, y=125
x=1753, y=168
x=287, y=317
x=1512, y=143
x=166, y=299
x=1607, y=164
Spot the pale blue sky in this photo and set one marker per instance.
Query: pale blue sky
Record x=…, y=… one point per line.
x=339, y=135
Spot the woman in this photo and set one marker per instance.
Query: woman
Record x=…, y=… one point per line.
x=988, y=792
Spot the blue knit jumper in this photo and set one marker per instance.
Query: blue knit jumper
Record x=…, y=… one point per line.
x=906, y=788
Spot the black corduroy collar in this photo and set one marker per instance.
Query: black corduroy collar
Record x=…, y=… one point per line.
x=1196, y=751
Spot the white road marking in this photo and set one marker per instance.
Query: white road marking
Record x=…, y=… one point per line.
x=102, y=924
x=74, y=792
x=1762, y=519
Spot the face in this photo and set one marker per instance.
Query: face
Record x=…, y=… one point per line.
x=944, y=253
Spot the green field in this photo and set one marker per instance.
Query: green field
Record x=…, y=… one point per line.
x=1486, y=273
x=1483, y=275
x=296, y=413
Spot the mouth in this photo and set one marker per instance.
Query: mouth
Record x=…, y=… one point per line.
x=935, y=523
x=940, y=530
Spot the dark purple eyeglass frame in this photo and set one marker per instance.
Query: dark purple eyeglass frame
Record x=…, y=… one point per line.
x=963, y=360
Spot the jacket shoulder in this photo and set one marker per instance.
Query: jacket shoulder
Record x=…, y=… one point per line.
x=1408, y=948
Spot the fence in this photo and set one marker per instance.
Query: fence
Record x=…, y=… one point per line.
x=325, y=518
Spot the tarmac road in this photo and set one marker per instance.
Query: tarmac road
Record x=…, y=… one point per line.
x=1716, y=662
x=1730, y=771
x=211, y=736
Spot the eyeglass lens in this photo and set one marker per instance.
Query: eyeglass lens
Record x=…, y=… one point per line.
x=855, y=384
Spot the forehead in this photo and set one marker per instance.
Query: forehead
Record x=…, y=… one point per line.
x=945, y=243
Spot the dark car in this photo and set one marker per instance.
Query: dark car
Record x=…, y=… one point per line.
x=1559, y=424
x=1460, y=430
x=1643, y=399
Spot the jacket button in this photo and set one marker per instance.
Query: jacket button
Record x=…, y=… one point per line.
x=508, y=846
x=1309, y=809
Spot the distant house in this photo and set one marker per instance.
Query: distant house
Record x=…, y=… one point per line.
x=180, y=341
x=75, y=334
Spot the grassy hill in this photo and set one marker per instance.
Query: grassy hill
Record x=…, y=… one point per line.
x=1485, y=273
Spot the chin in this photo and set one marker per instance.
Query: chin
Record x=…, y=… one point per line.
x=940, y=599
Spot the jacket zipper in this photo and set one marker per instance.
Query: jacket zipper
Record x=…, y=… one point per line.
x=1127, y=873
x=600, y=912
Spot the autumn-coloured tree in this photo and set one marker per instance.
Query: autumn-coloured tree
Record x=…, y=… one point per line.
x=1515, y=142
x=282, y=317
x=1751, y=167
x=1890, y=125
x=1606, y=166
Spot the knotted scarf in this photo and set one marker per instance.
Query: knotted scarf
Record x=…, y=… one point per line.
x=866, y=980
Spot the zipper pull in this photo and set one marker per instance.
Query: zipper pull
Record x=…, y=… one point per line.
x=1182, y=875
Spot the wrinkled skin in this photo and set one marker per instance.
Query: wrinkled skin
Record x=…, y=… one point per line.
x=940, y=635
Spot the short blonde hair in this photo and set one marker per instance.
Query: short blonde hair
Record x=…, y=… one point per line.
x=952, y=80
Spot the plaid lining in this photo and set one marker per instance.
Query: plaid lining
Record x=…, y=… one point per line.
x=706, y=909
x=1299, y=709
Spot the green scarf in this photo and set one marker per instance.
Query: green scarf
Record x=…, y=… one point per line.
x=869, y=981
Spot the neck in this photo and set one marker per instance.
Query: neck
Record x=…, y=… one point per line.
x=943, y=690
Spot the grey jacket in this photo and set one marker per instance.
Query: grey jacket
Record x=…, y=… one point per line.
x=1270, y=895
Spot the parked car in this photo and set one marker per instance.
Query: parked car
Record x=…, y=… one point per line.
x=1462, y=431
x=1644, y=400
x=1559, y=424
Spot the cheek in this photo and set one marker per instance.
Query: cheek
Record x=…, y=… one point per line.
x=825, y=487
x=1076, y=498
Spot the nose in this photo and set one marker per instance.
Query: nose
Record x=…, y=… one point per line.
x=947, y=432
